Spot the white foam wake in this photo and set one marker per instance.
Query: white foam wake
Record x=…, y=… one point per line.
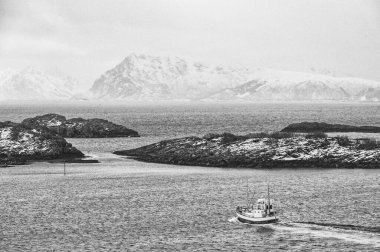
x=354, y=236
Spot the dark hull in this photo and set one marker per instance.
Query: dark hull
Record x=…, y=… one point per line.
x=264, y=220
x=257, y=222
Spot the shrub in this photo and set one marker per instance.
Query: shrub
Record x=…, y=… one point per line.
x=226, y=137
x=7, y=124
x=343, y=140
x=325, y=143
x=15, y=132
x=229, y=138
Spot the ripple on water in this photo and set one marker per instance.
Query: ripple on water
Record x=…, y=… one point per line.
x=122, y=204
x=188, y=208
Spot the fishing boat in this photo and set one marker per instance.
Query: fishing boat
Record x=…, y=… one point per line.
x=261, y=213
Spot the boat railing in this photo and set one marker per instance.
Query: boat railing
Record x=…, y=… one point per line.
x=241, y=209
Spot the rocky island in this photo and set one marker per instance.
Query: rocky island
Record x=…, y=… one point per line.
x=20, y=143
x=326, y=127
x=261, y=150
x=79, y=127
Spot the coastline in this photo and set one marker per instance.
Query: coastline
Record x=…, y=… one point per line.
x=231, y=151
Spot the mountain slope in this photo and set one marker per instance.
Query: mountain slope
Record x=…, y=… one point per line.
x=148, y=78
x=141, y=76
x=30, y=84
x=273, y=85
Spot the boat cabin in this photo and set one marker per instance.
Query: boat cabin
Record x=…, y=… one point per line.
x=263, y=204
x=261, y=209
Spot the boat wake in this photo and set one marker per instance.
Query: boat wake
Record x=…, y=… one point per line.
x=345, y=227
x=350, y=233
x=233, y=220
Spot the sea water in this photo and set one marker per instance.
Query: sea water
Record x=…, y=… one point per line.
x=122, y=204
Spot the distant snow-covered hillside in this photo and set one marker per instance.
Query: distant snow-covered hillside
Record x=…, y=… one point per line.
x=149, y=78
x=274, y=85
x=146, y=77
x=31, y=84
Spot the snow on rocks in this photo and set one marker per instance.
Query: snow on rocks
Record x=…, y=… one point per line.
x=5, y=133
x=79, y=127
x=297, y=152
x=19, y=143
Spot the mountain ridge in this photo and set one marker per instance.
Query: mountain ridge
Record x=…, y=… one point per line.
x=143, y=77
x=165, y=78
x=32, y=84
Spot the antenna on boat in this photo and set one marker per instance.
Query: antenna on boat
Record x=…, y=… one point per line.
x=268, y=200
x=247, y=195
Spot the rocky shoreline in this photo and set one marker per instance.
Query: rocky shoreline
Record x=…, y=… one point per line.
x=260, y=151
x=79, y=127
x=19, y=144
x=42, y=138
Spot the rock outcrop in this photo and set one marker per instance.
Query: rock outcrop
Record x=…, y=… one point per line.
x=227, y=150
x=79, y=127
x=326, y=127
x=19, y=143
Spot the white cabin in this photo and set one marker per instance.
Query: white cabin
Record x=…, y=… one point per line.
x=261, y=209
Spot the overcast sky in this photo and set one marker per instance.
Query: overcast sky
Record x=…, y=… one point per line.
x=83, y=38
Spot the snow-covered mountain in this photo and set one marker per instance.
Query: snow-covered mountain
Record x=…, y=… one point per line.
x=273, y=85
x=147, y=78
x=31, y=84
x=140, y=77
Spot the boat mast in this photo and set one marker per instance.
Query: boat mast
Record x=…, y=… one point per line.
x=247, y=195
x=268, y=201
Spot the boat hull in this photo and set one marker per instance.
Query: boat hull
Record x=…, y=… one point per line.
x=249, y=220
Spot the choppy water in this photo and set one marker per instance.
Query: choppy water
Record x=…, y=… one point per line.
x=179, y=120
x=122, y=204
